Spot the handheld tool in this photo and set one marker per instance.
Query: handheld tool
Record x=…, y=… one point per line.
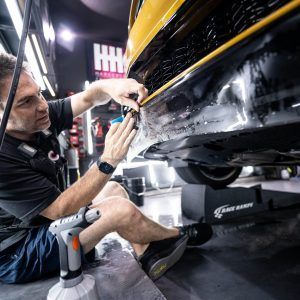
x=73, y=283
x=117, y=120
x=127, y=109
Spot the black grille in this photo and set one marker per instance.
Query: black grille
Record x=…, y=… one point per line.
x=226, y=21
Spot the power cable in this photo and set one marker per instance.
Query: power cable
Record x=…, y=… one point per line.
x=17, y=70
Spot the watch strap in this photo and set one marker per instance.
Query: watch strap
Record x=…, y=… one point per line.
x=105, y=167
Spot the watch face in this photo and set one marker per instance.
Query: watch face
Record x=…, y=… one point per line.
x=105, y=167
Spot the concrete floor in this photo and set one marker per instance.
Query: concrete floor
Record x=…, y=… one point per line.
x=255, y=257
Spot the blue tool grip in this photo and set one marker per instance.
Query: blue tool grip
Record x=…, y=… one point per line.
x=117, y=120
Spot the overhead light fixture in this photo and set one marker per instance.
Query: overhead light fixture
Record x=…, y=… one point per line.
x=296, y=105
x=48, y=31
x=17, y=20
x=67, y=35
x=49, y=87
x=39, y=53
x=51, y=33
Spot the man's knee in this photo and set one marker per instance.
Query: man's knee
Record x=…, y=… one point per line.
x=129, y=213
x=117, y=189
x=128, y=207
x=120, y=210
x=111, y=189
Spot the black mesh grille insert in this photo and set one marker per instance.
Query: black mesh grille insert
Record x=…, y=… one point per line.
x=226, y=21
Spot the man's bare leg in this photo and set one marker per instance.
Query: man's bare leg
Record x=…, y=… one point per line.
x=112, y=188
x=120, y=215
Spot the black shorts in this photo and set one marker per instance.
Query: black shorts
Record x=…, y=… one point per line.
x=33, y=257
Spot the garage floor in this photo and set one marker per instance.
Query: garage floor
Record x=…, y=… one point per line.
x=251, y=258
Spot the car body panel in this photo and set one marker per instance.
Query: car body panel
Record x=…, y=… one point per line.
x=237, y=39
x=198, y=116
x=153, y=16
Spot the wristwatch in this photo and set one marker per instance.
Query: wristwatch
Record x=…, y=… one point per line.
x=105, y=167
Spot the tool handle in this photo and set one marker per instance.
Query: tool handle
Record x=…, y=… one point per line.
x=67, y=231
x=134, y=96
x=92, y=215
x=127, y=109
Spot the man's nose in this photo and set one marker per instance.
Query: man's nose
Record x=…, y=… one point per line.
x=42, y=105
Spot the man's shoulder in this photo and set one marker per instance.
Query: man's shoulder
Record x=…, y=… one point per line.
x=12, y=162
x=60, y=113
x=57, y=105
x=9, y=150
x=54, y=103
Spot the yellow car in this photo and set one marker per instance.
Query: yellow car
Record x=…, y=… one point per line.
x=224, y=84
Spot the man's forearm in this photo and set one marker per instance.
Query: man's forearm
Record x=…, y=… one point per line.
x=94, y=95
x=102, y=91
x=80, y=194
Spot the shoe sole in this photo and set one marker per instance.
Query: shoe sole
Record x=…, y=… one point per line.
x=164, y=264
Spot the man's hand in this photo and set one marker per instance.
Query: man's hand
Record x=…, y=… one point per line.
x=118, y=140
x=117, y=89
x=101, y=91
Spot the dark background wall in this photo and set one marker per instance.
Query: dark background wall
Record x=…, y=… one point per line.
x=91, y=21
x=71, y=68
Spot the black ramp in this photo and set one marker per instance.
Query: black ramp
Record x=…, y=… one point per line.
x=253, y=258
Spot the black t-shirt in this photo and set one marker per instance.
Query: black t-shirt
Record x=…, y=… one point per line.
x=27, y=185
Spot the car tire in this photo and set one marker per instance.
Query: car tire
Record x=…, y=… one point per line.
x=216, y=177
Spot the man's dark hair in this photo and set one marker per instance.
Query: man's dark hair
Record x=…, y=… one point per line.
x=7, y=66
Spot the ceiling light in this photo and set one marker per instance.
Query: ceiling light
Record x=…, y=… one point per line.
x=39, y=53
x=49, y=87
x=17, y=20
x=51, y=33
x=67, y=35
x=46, y=31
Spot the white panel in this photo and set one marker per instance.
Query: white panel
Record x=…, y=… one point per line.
x=120, y=63
x=97, y=58
x=104, y=58
x=112, y=59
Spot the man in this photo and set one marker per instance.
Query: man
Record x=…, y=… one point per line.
x=32, y=190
